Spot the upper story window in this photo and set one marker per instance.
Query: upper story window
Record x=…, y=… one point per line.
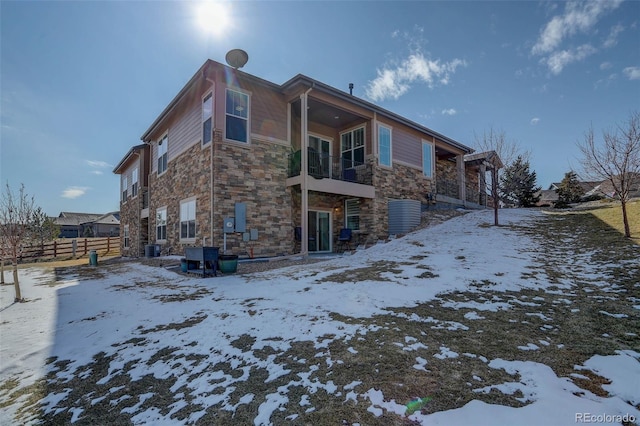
x=125, y=187
x=237, y=116
x=352, y=148
x=427, y=159
x=207, y=118
x=163, y=146
x=134, y=183
x=188, y=219
x=384, y=146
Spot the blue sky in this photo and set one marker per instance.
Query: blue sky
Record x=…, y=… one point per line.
x=81, y=81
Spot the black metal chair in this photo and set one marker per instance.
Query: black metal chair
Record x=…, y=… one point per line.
x=344, y=239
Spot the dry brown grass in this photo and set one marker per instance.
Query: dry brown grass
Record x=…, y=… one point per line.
x=567, y=317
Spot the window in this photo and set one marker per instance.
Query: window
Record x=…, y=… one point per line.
x=188, y=219
x=163, y=146
x=237, y=116
x=427, y=159
x=126, y=236
x=352, y=147
x=384, y=146
x=134, y=183
x=207, y=118
x=161, y=224
x=352, y=214
x=125, y=186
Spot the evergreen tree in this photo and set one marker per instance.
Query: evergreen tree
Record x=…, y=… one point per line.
x=518, y=184
x=570, y=189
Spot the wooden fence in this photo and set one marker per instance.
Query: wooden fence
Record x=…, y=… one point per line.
x=71, y=248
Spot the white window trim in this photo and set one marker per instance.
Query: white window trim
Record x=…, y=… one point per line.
x=211, y=94
x=195, y=205
x=135, y=188
x=433, y=161
x=125, y=189
x=165, y=139
x=126, y=237
x=390, y=165
x=165, y=223
x=364, y=141
x=347, y=216
x=248, y=119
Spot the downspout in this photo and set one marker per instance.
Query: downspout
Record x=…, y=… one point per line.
x=304, y=144
x=139, y=210
x=211, y=182
x=213, y=132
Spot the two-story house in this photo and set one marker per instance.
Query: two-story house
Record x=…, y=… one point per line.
x=265, y=169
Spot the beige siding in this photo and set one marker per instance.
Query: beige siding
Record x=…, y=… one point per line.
x=268, y=113
x=185, y=132
x=406, y=147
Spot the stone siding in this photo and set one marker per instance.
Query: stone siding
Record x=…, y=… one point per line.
x=254, y=174
x=130, y=215
x=400, y=182
x=188, y=175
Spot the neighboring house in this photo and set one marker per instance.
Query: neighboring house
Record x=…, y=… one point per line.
x=264, y=169
x=107, y=225
x=74, y=225
x=603, y=189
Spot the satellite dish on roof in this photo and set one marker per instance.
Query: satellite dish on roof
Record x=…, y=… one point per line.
x=236, y=58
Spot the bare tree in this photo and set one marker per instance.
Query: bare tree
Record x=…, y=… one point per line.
x=507, y=149
x=15, y=217
x=616, y=159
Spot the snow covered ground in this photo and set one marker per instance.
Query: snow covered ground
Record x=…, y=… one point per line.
x=121, y=329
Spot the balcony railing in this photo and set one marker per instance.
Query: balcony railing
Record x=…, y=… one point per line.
x=322, y=166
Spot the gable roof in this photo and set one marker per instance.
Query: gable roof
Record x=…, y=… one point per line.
x=76, y=219
x=317, y=85
x=127, y=157
x=490, y=157
x=299, y=79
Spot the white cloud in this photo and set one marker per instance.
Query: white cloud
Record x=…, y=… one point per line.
x=605, y=65
x=560, y=59
x=395, y=80
x=74, y=192
x=632, y=73
x=612, y=40
x=98, y=164
x=450, y=111
x=97, y=172
x=535, y=121
x=578, y=17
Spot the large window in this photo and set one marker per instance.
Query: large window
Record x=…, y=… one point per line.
x=352, y=214
x=125, y=186
x=384, y=146
x=237, y=116
x=427, y=159
x=188, y=219
x=161, y=224
x=125, y=236
x=163, y=146
x=352, y=148
x=134, y=183
x=207, y=118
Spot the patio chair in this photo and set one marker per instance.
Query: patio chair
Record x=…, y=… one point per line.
x=344, y=239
